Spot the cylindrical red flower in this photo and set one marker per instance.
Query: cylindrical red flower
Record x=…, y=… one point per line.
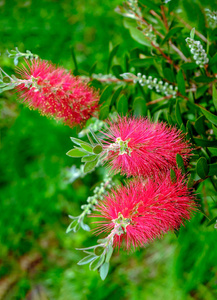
x=57, y=93
x=146, y=209
x=140, y=147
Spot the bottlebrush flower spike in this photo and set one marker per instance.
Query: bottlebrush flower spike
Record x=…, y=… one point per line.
x=145, y=210
x=140, y=147
x=57, y=93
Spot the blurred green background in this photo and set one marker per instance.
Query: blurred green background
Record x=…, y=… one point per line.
x=37, y=258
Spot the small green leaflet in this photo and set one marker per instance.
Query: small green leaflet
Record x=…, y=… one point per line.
x=214, y=96
x=104, y=270
x=89, y=166
x=76, y=153
x=202, y=168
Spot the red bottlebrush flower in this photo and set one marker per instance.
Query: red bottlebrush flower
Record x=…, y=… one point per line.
x=145, y=210
x=140, y=147
x=57, y=93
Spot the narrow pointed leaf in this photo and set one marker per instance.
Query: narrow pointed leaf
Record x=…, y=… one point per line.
x=213, y=151
x=211, y=117
x=88, y=158
x=106, y=93
x=116, y=95
x=181, y=82
x=87, y=259
x=178, y=113
x=122, y=105
x=212, y=169
x=202, y=167
x=109, y=253
x=104, y=270
x=87, y=147
x=98, y=262
x=76, y=153
x=89, y=166
x=214, y=96
x=95, y=137
x=173, y=175
x=111, y=56
x=180, y=162
x=211, y=221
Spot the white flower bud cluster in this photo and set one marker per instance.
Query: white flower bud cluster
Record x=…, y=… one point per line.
x=153, y=83
x=199, y=54
x=99, y=193
x=211, y=18
x=148, y=31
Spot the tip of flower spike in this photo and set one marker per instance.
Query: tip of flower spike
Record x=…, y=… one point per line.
x=139, y=147
x=146, y=209
x=56, y=93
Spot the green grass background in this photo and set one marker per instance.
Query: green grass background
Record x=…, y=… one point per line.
x=37, y=258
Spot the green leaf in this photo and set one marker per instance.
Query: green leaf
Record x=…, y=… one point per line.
x=178, y=113
x=173, y=176
x=213, y=60
x=212, y=169
x=145, y=62
x=106, y=93
x=90, y=165
x=203, y=79
x=214, y=96
x=92, y=69
x=211, y=117
x=87, y=147
x=117, y=70
x=202, y=168
x=190, y=182
x=180, y=162
x=213, y=151
x=98, y=262
x=97, y=149
x=139, y=36
x=201, y=91
x=211, y=222
x=70, y=228
x=168, y=74
x=199, y=125
x=171, y=33
x=76, y=153
x=189, y=130
x=214, y=130
x=189, y=66
x=122, y=105
x=95, y=137
x=109, y=253
x=87, y=259
x=104, y=270
x=88, y=158
x=176, y=232
x=181, y=82
x=116, y=95
x=111, y=56
x=192, y=33
x=77, y=141
x=74, y=59
x=205, y=143
x=139, y=107
x=84, y=226
x=104, y=111
x=151, y=5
